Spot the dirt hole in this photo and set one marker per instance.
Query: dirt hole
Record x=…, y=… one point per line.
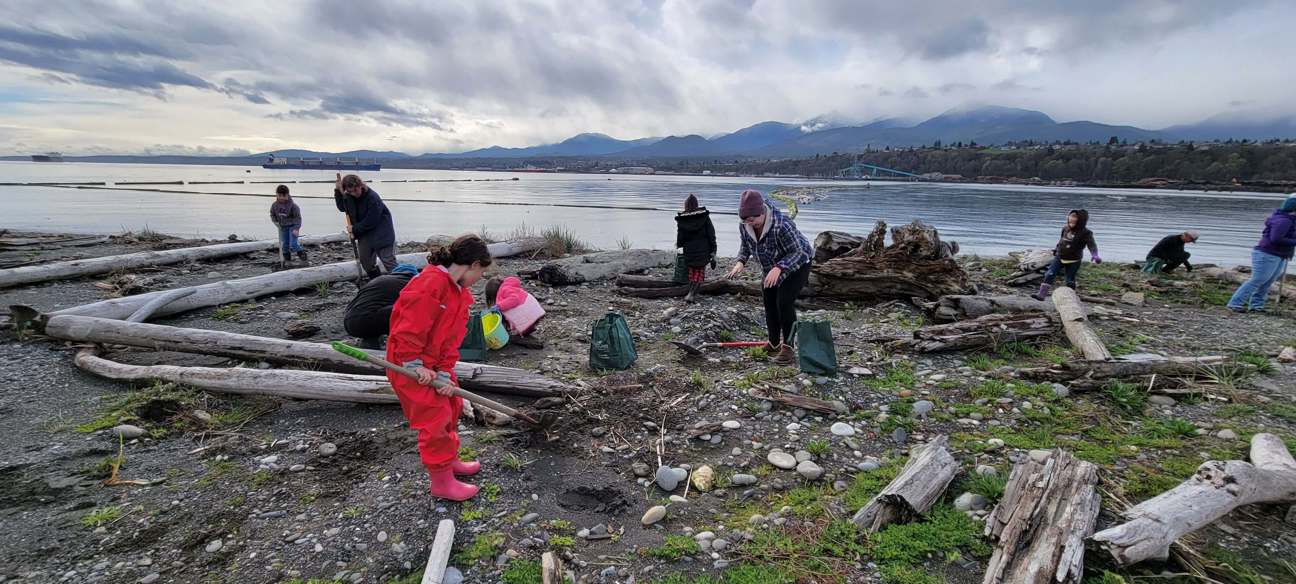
x=593, y=500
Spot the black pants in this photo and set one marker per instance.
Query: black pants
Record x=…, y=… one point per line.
x=1175, y=261
x=369, y=326
x=780, y=305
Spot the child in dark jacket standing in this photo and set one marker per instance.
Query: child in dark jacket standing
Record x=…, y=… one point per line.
x=286, y=215
x=695, y=234
x=1069, y=252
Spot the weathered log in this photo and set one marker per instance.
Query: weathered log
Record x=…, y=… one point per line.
x=918, y=486
x=831, y=244
x=602, y=265
x=472, y=376
x=1236, y=277
x=916, y=264
x=228, y=291
x=965, y=306
x=153, y=305
x=439, y=555
x=987, y=331
x=1075, y=323
x=650, y=287
x=1118, y=368
x=499, y=249
x=804, y=402
x=551, y=569
x=288, y=383
x=1218, y=487
x=103, y=265
x=1032, y=260
x=1041, y=522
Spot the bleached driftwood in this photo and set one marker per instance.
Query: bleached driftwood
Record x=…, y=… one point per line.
x=1119, y=369
x=1032, y=260
x=804, y=402
x=1218, y=487
x=916, y=264
x=153, y=305
x=964, y=306
x=1041, y=522
x=439, y=556
x=1076, y=325
x=592, y=267
x=472, y=376
x=918, y=486
x=987, y=331
x=650, y=287
x=551, y=569
x=103, y=265
x=225, y=292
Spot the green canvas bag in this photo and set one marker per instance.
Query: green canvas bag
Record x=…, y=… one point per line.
x=611, y=346
x=473, y=347
x=816, y=354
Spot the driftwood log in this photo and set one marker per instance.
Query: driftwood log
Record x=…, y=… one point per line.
x=1117, y=369
x=1236, y=277
x=602, y=265
x=551, y=569
x=990, y=330
x=804, y=402
x=472, y=376
x=295, y=384
x=103, y=265
x=217, y=293
x=1076, y=325
x=918, y=486
x=964, y=306
x=830, y=244
x=439, y=555
x=650, y=287
x=153, y=305
x=1041, y=522
x=916, y=264
x=1218, y=487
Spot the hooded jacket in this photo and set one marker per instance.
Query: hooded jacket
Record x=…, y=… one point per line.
x=1071, y=245
x=378, y=294
x=696, y=234
x=370, y=219
x=779, y=243
x=286, y=214
x=520, y=309
x=429, y=322
x=1279, y=236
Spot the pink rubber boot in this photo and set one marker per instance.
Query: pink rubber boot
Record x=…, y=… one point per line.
x=463, y=469
x=445, y=486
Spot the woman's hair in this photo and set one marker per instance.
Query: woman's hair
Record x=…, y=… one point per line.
x=350, y=180
x=492, y=290
x=463, y=251
x=691, y=203
x=281, y=190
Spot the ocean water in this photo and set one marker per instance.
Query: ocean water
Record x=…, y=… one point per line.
x=606, y=210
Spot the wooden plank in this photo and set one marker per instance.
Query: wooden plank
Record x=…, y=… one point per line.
x=439, y=556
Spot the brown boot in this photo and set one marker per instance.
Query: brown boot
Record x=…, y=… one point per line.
x=692, y=293
x=786, y=355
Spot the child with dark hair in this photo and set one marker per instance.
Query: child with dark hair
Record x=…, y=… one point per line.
x=286, y=216
x=1069, y=252
x=428, y=324
x=695, y=234
x=521, y=311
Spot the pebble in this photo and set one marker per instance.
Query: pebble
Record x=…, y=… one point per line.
x=809, y=470
x=781, y=459
x=452, y=576
x=994, y=444
x=1162, y=400
x=214, y=546
x=922, y=407
x=1040, y=456
x=653, y=515
x=970, y=502
x=842, y=429
x=583, y=533
x=803, y=455
x=1288, y=355
x=151, y=578
x=669, y=478
x=528, y=519
x=327, y=449
x=678, y=499
x=127, y=431
x=731, y=424
x=285, y=315
x=1227, y=434
x=202, y=416
x=1060, y=390
x=640, y=469
x=719, y=544
x=906, y=393
x=867, y=466
x=297, y=468
x=899, y=436
x=1133, y=298
x=840, y=486
x=793, y=427
x=985, y=470
x=703, y=478
x=742, y=480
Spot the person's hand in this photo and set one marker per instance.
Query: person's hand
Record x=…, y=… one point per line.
x=425, y=375
x=1095, y=258
x=338, y=184
x=444, y=385
x=738, y=267
x=772, y=278
x=713, y=261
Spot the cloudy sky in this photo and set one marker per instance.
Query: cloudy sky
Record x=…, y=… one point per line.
x=417, y=76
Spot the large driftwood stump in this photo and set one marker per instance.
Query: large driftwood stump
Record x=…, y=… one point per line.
x=1076, y=325
x=602, y=265
x=1041, y=522
x=831, y=244
x=987, y=331
x=965, y=306
x=1218, y=487
x=916, y=264
x=918, y=486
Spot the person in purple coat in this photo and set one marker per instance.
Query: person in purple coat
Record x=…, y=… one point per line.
x=1268, y=258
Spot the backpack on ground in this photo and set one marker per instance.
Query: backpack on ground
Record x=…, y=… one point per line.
x=473, y=347
x=611, y=346
x=816, y=354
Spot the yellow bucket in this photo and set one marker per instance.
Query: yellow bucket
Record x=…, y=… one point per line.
x=496, y=333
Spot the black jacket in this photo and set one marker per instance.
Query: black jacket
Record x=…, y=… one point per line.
x=1071, y=244
x=695, y=233
x=370, y=219
x=379, y=294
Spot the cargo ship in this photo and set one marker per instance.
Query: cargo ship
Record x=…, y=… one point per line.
x=320, y=163
x=47, y=157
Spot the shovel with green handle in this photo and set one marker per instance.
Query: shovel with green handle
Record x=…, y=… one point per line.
x=546, y=420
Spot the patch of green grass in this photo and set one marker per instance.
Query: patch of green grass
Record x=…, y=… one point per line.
x=943, y=531
x=484, y=547
x=1169, y=428
x=1040, y=437
x=982, y=362
x=513, y=462
x=674, y=547
x=1126, y=397
x=559, y=525
x=698, y=380
x=807, y=501
x=470, y=513
x=490, y=492
x=353, y=512
x=260, y=478
x=467, y=453
x=1056, y=354
x=101, y=516
x=217, y=469
x=1106, y=578
x=1281, y=410
x=559, y=241
x=819, y=448
x=725, y=336
x=624, y=243
x=1018, y=350
x=562, y=541
x=756, y=573
x=1228, y=376
x=991, y=486
x=227, y=312
x=867, y=485
x=1233, y=567
x=765, y=375
x=1261, y=363
x=321, y=289
x=1236, y=411
x=757, y=353
x=990, y=389
x=898, y=376
x=521, y=571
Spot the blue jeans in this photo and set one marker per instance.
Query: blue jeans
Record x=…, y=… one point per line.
x=1266, y=268
x=1070, y=270
x=288, y=240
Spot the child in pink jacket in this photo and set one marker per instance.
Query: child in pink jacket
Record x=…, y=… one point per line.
x=522, y=312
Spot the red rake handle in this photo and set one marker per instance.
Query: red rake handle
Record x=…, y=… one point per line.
x=737, y=344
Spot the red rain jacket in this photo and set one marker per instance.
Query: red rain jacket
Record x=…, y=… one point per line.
x=429, y=322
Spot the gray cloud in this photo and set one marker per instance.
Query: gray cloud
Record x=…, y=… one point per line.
x=367, y=106
x=916, y=93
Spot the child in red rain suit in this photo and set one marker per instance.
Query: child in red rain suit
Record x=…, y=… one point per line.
x=428, y=324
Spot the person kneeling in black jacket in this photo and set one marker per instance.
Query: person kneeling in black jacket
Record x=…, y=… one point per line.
x=1170, y=250
x=368, y=315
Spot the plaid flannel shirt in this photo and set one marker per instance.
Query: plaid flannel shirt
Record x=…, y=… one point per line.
x=782, y=246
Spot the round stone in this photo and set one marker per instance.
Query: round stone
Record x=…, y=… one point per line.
x=781, y=459
x=731, y=424
x=809, y=470
x=653, y=515
x=842, y=429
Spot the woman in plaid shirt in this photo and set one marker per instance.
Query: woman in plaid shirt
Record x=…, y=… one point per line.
x=784, y=255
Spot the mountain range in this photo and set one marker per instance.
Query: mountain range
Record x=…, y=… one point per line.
x=988, y=125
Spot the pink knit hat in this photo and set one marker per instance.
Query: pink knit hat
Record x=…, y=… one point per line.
x=751, y=205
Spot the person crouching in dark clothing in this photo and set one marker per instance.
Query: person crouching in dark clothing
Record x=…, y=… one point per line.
x=368, y=315
x=1170, y=250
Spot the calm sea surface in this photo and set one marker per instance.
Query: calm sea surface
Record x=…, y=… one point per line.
x=603, y=210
